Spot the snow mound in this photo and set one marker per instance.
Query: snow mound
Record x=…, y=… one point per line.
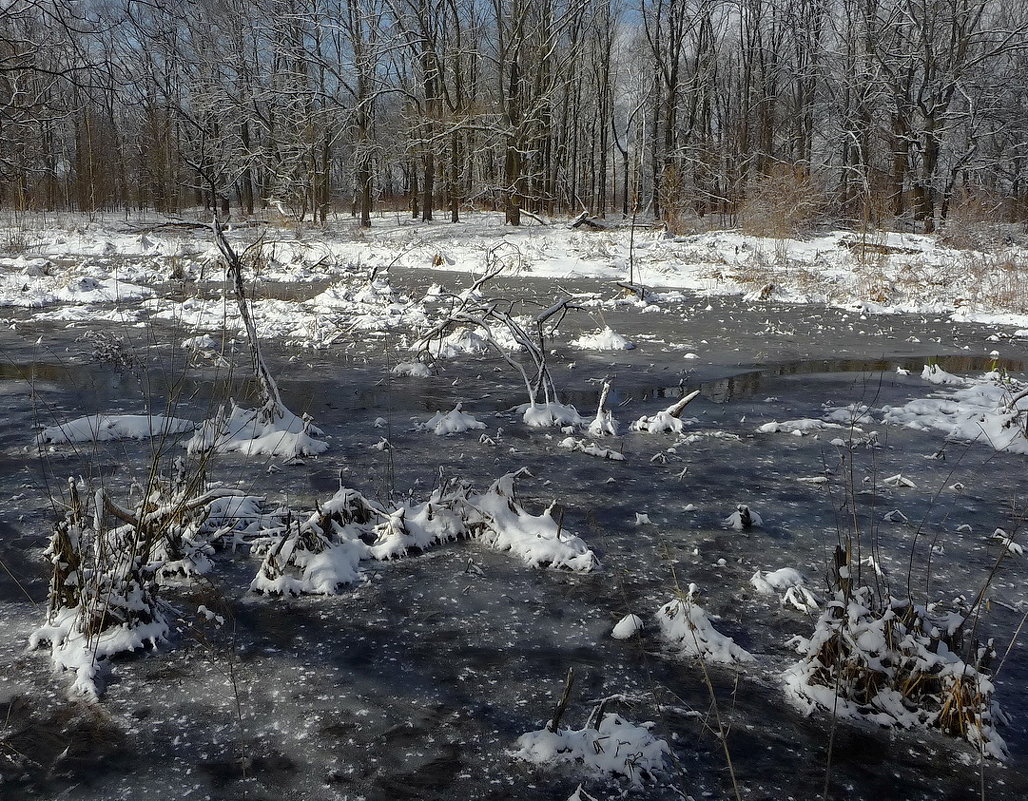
x=503, y=524
x=614, y=747
x=412, y=370
x=799, y=427
x=686, y=625
x=660, y=423
x=457, y=343
x=742, y=518
x=789, y=581
x=453, y=422
x=934, y=374
x=108, y=427
x=604, y=339
x=545, y=415
x=627, y=627
x=254, y=432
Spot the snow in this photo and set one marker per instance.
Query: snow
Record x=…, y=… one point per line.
x=249, y=432
x=112, y=264
x=686, y=625
x=412, y=370
x=880, y=652
x=591, y=449
x=546, y=415
x=452, y=422
x=991, y=409
x=743, y=518
x=615, y=747
x=108, y=427
x=604, y=339
x=627, y=627
x=791, y=583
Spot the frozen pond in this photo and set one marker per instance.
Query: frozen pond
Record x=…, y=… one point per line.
x=418, y=682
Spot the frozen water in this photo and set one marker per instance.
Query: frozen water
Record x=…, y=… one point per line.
x=417, y=679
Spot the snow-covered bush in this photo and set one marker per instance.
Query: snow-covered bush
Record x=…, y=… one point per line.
x=105, y=579
x=889, y=662
x=324, y=552
x=454, y=421
x=666, y=420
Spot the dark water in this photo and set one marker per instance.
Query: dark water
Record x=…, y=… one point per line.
x=417, y=683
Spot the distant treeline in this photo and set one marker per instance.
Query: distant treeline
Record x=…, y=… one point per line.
x=872, y=110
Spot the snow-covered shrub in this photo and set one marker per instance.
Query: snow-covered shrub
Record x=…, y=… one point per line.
x=324, y=552
x=104, y=585
x=685, y=624
x=497, y=519
x=790, y=583
x=888, y=662
x=743, y=518
x=610, y=746
x=590, y=448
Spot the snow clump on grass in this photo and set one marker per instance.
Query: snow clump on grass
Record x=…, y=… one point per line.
x=934, y=374
x=604, y=339
x=685, y=624
x=590, y=449
x=742, y=518
x=887, y=662
x=497, y=519
x=412, y=370
x=614, y=747
x=104, y=584
x=666, y=420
